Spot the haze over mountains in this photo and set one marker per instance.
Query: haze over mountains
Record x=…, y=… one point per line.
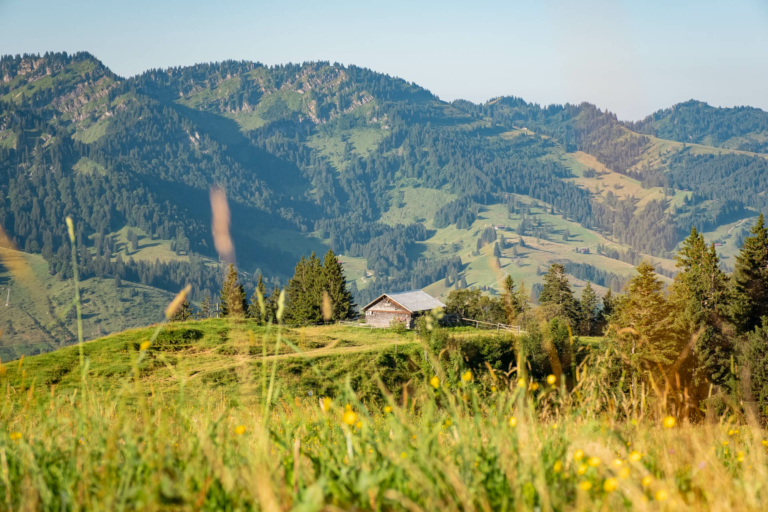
x=405, y=187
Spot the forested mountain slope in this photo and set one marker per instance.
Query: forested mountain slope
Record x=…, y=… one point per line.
x=742, y=128
x=399, y=183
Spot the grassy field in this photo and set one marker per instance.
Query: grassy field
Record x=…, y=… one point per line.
x=228, y=415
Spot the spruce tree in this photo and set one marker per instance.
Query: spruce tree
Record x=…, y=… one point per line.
x=750, y=279
x=754, y=360
x=589, y=311
x=557, y=297
x=342, y=305
x=184, y=312
x=232, y=296
x=305, y=291
x=699, y=298
x=254, y=310
x=510, y=300
x=640, y=319
x=271, y=305
x=205, y=307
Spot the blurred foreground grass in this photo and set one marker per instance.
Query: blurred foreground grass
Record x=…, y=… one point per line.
x=207, y=418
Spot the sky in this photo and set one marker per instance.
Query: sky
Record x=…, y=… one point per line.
x=630, y=57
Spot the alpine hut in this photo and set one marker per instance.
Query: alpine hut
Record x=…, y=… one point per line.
x=402, y=307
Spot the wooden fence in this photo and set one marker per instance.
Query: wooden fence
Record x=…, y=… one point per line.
x=514, y=329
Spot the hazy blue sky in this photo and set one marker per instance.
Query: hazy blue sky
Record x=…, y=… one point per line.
x=632, y=57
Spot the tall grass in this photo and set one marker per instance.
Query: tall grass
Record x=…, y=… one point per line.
x=464, y=447
x=449, y=441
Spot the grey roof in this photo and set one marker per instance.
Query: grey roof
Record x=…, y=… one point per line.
x=413, y=301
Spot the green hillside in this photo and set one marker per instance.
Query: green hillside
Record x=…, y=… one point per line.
x=39, y=316
x=320, y=155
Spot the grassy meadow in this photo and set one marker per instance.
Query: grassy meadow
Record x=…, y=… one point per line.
x=228, y=415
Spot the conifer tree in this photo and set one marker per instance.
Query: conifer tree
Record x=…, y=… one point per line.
x=184, y=312
x=639, y=323
x=205, y=307
x=232, y=296
x=335, y=284
x=254, y=310
x=699, y=298
x=750, y=279
x=557, y=297
x=305, y=291
x=754, y=358
x=523, y=301
x=271, y=305
x=589, y=311
x=510, y=299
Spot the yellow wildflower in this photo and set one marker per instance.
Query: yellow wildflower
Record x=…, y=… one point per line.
x=435, y=382
x=387, y=409
x=349, y=418
x=585, y=485
x=558, y=467
x=582, y=469
x=618, y=462
x=661, y=495
x=512, y=421
x=15, y=436
x=593, y=461
x=624, y=473
x=610, y=485
x=578, y=454
x=403, y=455
x=240, y=430
x=765, y=442
x=534, y=386
x=467, y=376
x=325, y=404
x=551, y=379
x=647, y=481
x=144, y=345
x=635, y=456
x=669, y=422
x=359, y=425
x=521, y=383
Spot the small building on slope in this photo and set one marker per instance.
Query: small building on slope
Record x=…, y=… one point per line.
x=403, y=307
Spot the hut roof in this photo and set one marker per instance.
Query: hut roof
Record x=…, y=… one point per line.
x=413, y=301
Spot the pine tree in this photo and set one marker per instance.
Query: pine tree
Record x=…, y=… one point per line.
x=754, y=359
x=523, y=301
x=510, y=299
x=699, y=298
x=496, y=250
x=184, y=312
x=254, y=309
x=557, y=297
x=271, y=305
x=640, y=322
x=232, y=296
x=335, y=284
x=205, y=307
x=589, y=311
x=463, y=282
x=305, y=291
x=750, y=279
